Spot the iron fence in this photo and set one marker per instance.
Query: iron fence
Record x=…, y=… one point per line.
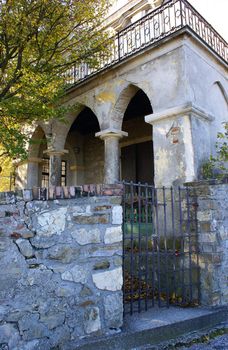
x=153, y=27
x=160, y=250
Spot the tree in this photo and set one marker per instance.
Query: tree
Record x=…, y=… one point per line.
x=217, y=165
x=39, y=41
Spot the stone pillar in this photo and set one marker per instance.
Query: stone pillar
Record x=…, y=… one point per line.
x=181, y=139
x=55, y=166
x=111, y=139
x=28, y=173
x=212, y=239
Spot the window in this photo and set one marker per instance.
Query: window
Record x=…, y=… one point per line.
x=63, y=173
x=45, y=173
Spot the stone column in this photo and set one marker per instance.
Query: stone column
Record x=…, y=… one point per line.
x=181, y=139
x=55, y=166
x=111, y=139
x=27, y=173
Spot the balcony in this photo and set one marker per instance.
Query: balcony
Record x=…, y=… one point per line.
x=170, y=18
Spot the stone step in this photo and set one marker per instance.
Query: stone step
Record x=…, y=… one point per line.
x=156, y=326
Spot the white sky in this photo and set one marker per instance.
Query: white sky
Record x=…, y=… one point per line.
x=214, y=11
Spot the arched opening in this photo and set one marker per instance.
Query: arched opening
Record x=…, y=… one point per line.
x=137, y=158
x=84, y=162
x=30, y=172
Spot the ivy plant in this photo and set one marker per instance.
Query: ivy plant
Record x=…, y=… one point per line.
x=216, y=166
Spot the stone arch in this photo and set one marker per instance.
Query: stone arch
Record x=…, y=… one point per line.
x=85, y=151
x=137, y=160
x=37, y=139
x=222, y=89
x=122, y=102
x=218, y=106
x=28, y=173
x=59, y=130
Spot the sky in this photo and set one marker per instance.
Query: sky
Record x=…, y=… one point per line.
x=214, y=11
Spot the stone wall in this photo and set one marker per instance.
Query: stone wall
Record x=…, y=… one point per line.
x=60, y=270
x=212, y=198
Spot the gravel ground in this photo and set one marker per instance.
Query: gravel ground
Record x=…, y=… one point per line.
x=213, y=339
x=219, y=343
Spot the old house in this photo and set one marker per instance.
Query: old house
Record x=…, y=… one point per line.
x=150, y=113
x=75, y=259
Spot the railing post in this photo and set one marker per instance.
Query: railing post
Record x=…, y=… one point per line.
x=118, y=44
x=181, y=13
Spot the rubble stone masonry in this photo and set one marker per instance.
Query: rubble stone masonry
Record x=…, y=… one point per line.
x=60, y=268
x=212, y=216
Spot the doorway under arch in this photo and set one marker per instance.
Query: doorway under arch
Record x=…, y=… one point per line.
x=137, y=157
x=84, y=162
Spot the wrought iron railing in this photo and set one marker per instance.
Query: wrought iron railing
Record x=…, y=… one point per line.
x=160, y=247
x=153, y=27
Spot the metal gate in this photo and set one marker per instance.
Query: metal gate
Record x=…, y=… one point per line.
x=161, y=264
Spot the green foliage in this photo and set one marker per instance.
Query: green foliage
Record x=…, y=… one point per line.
x=39, y=41
x=216, y=166
x=6, y=171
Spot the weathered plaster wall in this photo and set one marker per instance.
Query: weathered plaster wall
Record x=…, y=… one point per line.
x=60, y=270
x=178, y=72
x=207, y=88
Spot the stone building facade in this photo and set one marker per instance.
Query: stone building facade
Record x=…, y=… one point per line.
x=151, y=117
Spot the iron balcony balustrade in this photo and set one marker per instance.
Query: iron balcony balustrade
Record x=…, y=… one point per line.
x=152, y=28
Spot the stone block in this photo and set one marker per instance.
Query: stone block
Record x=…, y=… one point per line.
x=108, y=250
x=67, y=290
x=76, y=274
x=25, y=247
x=207, y=237
x=27, y=234
x=53, y=320
x=27, y=195
x=51, y=222
x=42, y=242
x=117, y=215
x=115, y=200
x=118, y=261
x=92, y=219
x=102, y=207
x=30, y=327
x=63, y=253
x=113, y=306
x=113, y=235
x=109, y=280
x=204, y=215
x=92, y=322
x=80, y=209
x=9, y=335
x=85, y=292
x=101, y=265
x=59, y=336
x=205, y=226
x=83, y=236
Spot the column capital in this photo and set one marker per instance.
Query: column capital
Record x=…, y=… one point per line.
x=179, y=111
x=55, y=152
x=111, y=132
